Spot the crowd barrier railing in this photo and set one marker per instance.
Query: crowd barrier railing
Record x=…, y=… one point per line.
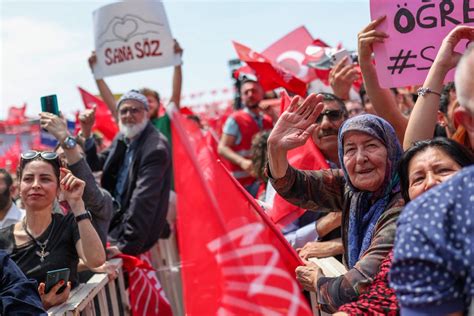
x=165, y=259
x=99, y=296
x=331, y=268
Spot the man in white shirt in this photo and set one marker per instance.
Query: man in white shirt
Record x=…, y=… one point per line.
x=9, y=212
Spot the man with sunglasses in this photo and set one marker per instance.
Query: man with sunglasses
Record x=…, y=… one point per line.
x=137, y=172
x=328, y=123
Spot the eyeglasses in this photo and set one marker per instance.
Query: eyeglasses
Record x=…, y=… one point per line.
x=132, y=111
x=333, y=115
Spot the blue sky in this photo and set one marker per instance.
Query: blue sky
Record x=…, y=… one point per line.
x=45, y=44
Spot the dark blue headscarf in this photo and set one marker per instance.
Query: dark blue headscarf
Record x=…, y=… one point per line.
x=363, y=214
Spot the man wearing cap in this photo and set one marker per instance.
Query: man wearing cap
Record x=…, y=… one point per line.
x=137, y=172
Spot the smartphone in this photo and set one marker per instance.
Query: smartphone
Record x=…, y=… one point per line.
x=338, y=56
x=49, y=104
x=54, y=276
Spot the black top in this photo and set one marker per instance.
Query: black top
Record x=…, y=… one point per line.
x=61, y=247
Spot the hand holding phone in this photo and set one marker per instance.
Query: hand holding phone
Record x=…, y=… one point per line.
x=49, y=104
x=55, y=276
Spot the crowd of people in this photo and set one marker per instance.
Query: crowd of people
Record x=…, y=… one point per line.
x=396, y=205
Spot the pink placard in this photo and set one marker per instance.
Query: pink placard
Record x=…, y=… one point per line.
x=416, y=29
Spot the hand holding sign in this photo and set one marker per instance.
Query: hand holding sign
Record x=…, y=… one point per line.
x=447, y=58
x=366, y=39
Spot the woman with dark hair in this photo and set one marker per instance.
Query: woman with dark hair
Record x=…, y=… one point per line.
x=411, y=179
x=43, y=240
x=423, y=166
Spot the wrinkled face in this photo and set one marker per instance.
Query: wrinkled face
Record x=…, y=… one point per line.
x=154, y=105
x=325, y=134
x=429, y=168
x=133, y=118
x=38, y=185
x=251, y=94
x=354, y=108
x=365, y=159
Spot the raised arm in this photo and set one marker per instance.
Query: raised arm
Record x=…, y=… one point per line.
x=104, y=90
x=423, y=118
x=177, y=78
x=88, y=247
x=382, y=99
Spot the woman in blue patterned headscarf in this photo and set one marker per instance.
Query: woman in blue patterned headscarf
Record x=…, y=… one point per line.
x=359, y=157
x=365, y=190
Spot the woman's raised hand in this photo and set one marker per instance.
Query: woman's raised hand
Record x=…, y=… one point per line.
x=367, y=38
x=447, y=57
x=296, y=124
x=72, y=188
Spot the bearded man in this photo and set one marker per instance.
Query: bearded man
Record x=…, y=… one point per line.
x=137, y=172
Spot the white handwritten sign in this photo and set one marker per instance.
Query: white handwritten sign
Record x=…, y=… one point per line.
x=132, y=36
x=416, y=29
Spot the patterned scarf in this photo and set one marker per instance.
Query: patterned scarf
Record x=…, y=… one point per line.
x=363, y=214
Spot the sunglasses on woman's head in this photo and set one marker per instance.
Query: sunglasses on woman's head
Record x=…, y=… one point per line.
x=333, y=115
x=32, y=154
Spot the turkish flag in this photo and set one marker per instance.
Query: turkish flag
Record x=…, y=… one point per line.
x=234, y=260
x=270, y=75
x=104, y=122
x=307, y=157
x=290, y=51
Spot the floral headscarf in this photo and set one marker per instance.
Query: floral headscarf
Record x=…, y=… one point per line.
x=363, y=214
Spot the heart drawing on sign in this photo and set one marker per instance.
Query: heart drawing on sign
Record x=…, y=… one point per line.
x=125, y=29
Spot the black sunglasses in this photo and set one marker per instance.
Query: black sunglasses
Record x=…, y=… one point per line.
x=333, y=115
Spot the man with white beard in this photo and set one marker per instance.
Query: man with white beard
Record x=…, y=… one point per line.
x=137, y=172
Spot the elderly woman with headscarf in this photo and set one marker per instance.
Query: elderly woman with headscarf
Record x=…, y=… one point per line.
x=366, y=189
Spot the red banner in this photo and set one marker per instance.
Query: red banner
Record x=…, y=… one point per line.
x=16, y=115
x=104, y=122
x=146, y=294
x=234, y=260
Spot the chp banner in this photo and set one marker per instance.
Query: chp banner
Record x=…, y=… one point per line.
x=132, y=36
x=234, y=261
x=416, y=29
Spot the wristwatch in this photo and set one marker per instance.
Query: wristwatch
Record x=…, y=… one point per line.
x=69, y=143
x=86, y=215
x=424, y=91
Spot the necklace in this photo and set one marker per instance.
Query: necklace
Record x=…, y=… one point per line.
x=42, y=245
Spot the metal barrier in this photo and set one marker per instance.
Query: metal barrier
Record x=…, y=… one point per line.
x=331, y=267
x=99, y=296
x=166, y=261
